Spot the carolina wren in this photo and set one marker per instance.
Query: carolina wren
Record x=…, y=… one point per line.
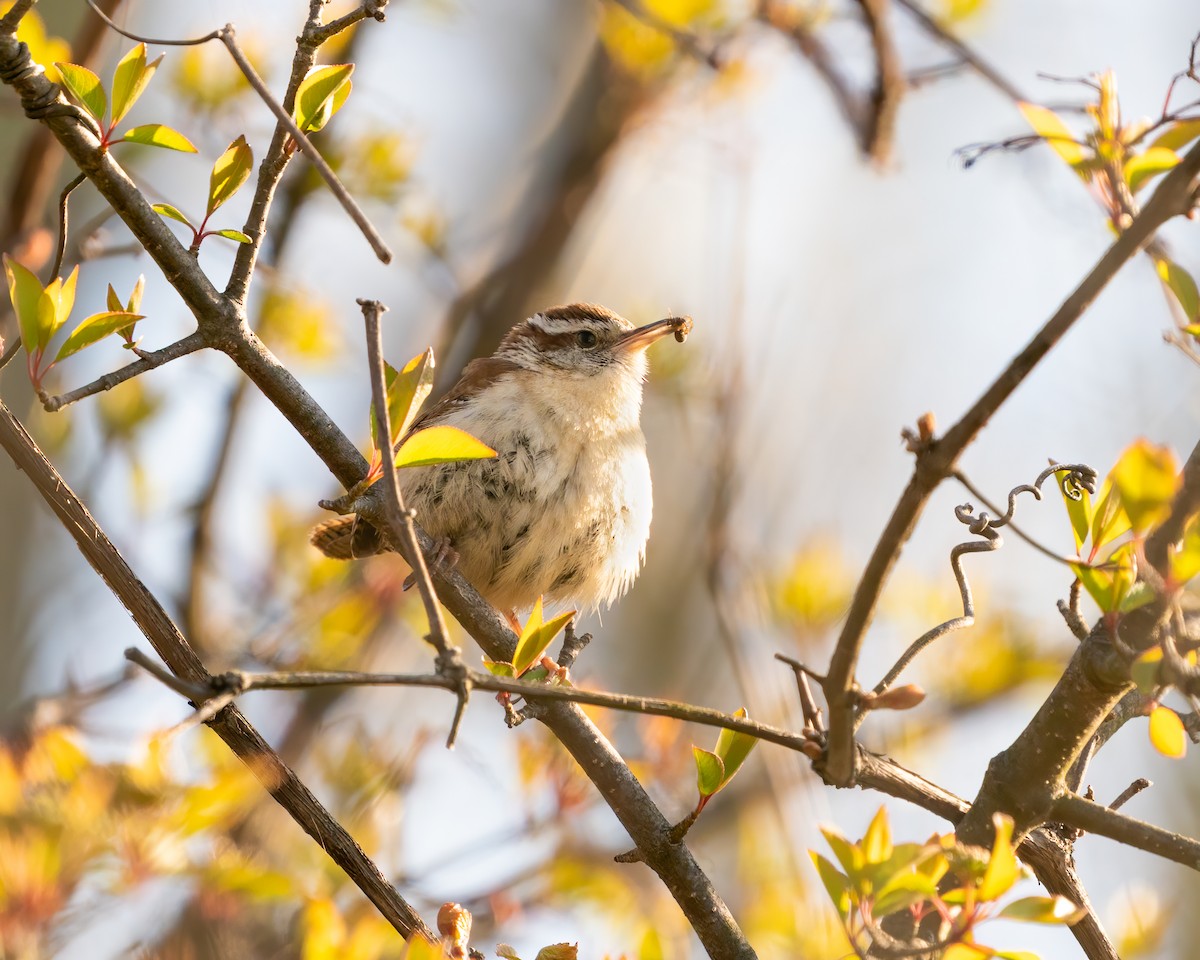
x=563, y=510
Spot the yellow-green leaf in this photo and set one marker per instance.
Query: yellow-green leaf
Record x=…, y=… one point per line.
x=849, y=855
x=1185, y=558
x=1180, y=283
x=966, y=951
x=1079, y=511
x=229, y=173
x=877, y=842
x=835, y=883
x=85, y=87
x=1167, y=733
x=321, y=94
x=1147, y=477
x=733, y=747
x=166, y=210
x=54, y=307
x=441, y=445
x=710, y=771
x=1144, y=670
x=130, y=79
x=1056, y=909
x=536, y=636
x=96, y=327
x=406, y=390
x=159, y=135
x=1050, y=128
x=559, y=951
x=903, y=891
x=1002, y=870
x=24, y=290
x=1178, y=135
x=1098, y=582
x=1140, y=169
x=232, y=235
x=1110, y=519
x=498, y=669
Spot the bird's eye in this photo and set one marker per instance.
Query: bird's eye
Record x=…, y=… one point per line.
x=586, y=338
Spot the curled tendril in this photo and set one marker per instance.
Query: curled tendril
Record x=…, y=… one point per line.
x=1079, y=477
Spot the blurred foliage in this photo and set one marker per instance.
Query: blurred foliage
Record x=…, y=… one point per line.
x=46, y=50
x=643, y=48
x=949, y=887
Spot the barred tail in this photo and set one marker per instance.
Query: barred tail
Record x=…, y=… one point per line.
x=345, y=538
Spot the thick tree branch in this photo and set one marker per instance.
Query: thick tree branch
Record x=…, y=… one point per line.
x=937, y=460
x=230, y=725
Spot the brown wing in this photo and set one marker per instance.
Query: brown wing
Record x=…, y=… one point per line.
x=476, y=376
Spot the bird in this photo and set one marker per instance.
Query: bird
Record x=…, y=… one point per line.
x=562, y=512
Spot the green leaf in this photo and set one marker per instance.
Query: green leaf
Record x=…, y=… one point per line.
x=877, y=842
x=1057, y=909
x=229, y=173
x=406, y=390
x=159, y=135
x=1140, y=169
x=710, y=771
x=1178, y=135
x=96, y=327
x=232, y=235
x=835, y=883
x=85, y=87
x=24, y=290
x=134, y=304
x=321, y=94
x=536, y=636
x=1138, y=595
x=1180, y=283
x=1146, y=477
x=1002, y=870
x=1050, y=128
x=130, y=79
x=1079, y=512
x=166, y=210
x=1016, y=955
x=901, y=892
x=733, y=747
x=441, y=445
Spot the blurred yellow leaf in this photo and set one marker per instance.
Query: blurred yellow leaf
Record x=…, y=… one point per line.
x=1167, y=732
x=44, y=49
x=966, y=951
x=1143, y=167
x=323, y=930
x=877, y=843
x=1049, y=127
x=299, y=323
x=1147, y=477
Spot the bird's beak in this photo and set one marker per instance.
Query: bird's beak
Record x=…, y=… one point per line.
x=639, y=339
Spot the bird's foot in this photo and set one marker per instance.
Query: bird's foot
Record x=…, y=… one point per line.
x=443, y=558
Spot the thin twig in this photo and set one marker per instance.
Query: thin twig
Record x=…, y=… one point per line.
x=228, y=36
x=979, y=495
x=149, y=361
x=1075, y=811
x=965, y=53
x=62, y=226
x=11, y=349
x=1131, y=791
x=400, y=520
x=373, y=9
